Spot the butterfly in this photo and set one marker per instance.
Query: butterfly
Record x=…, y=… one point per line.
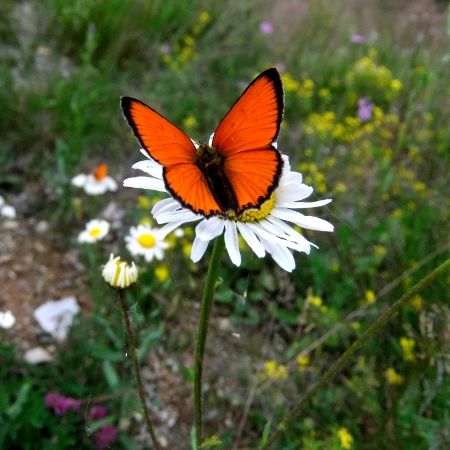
x=238, y=169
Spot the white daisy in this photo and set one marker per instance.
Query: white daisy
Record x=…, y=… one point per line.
x=95, y=230
x=264, y=229
x=119, y=274
x=96, y=183
x=146, y=241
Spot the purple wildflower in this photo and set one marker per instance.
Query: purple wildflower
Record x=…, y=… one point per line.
x=358, y=39
x=365, y=109
x=265, y=27
x=97, y=412
x=281, y=67
x=61, y=404
x=105, y=436
x=166, y=48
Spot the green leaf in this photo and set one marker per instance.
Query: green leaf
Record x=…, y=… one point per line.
x=99, y=351
x=149, y=341
x=112, y=378
x=265, y=436
x=16, y=408
x=94, y=426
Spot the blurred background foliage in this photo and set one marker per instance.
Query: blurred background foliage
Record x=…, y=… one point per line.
x=63, y=67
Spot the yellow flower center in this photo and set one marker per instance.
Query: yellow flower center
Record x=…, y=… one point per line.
x=94, y=232
x=254, y=214
x=147, y=240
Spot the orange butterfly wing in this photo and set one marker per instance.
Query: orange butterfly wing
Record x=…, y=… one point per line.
x=245, y=137
x=173, y=149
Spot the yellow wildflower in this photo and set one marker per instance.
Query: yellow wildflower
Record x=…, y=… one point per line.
x=187, y=247
x=162, y=273
x=315, y=300
x=303, y=361
x=289, y=83
x=144, y=202
x=396, y=85
x=324, y=93
x=370, y=297
x=189, y=123
x=392, y=376
x=204, y=17
x=407, y=345
x=340, y=187
x=345, y=438
x=274, y=371
x=419, y=187
x=380, y=250
x=416, y=302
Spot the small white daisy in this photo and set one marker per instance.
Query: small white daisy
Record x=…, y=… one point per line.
x=96, y=183
x=95, y=230
x=264, y=229
x=146, y=241
x=119, y=274
x=7, y=319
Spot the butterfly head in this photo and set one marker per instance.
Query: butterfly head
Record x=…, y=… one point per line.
x=208, y=158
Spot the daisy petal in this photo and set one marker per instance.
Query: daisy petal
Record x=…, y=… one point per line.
x=268, y=236
x=182, y=215
x=145, y=183
x=281, y=255
x=79, y=180
x=209, y=229
x=308, y=222
x=198, y=249
x=305, y=204
x=291, y=233
x=168, y=204
x=231, y=242
x=168, y=228
x=292, y=192
x=251, y=239
x=151, y=167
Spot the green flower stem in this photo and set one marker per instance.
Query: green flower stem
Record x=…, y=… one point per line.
x=384, y=317
x=132, y=349
x=205, y=312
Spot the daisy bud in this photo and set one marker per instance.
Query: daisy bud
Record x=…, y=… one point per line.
x=119, y=274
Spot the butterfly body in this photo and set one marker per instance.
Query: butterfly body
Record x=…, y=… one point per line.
x=237, y=170
x=211, y=163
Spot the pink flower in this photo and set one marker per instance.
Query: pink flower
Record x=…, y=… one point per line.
x=358, y=39
x=60, y=404
x=265, y=27
x=365, y=109
x=105, y=436
x=97, y=412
